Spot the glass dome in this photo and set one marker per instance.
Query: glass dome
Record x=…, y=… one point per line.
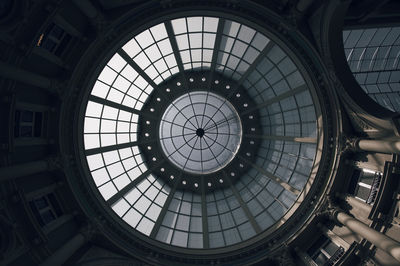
x=147, y=83
x=200, y=132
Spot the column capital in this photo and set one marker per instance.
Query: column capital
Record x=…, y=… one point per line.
x=285, y=257
x=328, y=208
x=54, y=163
x=88, y=231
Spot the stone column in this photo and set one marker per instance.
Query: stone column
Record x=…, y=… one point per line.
x=304, y=257
x=376, y=145
x=27, y=77
x=378, y=239
x=358, y=204
x=87, y=8
x=60, y=256
x=19, y=170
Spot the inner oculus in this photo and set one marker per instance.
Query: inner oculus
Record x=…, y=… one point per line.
x=200, y=132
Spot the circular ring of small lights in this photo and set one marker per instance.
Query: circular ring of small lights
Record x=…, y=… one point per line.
x=176, y=104
x=141, y=238
x=200, y=132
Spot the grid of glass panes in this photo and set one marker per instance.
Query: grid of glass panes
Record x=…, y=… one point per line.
x=240, y=46
x=373, y=57
x=105, y=126
x=113, y=170
x=195, y=37
x=290, y=161
x=273, y=76
x=182, y=224
x=227, y=222
x=221, y=125
x=293, y=116
x=152, y=51
x=142, y=205
x=263, y=198
x=120, y=83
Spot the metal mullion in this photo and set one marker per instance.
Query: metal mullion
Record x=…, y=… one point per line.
x=194, y=112
x=172, y=123
x=219, y=219
x=226, y=134
x=291, y=154
x=230, y=52
x=242, y=204
x=131, y=185
x=201, y=156
x=204, y=217
x=285, y=185
x=137, y=68
x=277, y=99
x=180, y=111
x=164, y=209
x=251, y=68
x=247, y=48
x=209, y=147
x=202, y=44
x=188, y=39
x=109, y=103
x=217, y=44
x=175, y=49
x=264, y=189
x=178, y=136
x=273, y=84
x=188, y=157
x=158, y=48
x=116, y=147
x=225, y=148
x=179, y=213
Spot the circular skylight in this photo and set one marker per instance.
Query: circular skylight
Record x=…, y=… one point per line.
x=200, y=132
x=266, y=126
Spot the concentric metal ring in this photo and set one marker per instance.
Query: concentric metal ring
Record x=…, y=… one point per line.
x=200, y=132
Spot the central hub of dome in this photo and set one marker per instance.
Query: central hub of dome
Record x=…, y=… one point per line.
x=200, y=132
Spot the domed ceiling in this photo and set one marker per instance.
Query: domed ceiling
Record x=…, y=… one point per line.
x=201, y=132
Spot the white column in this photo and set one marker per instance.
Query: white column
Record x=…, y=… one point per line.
x=381, y=146
x=378, y=239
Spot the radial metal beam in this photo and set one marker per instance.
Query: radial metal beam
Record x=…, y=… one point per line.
x=136, y=67
x=217, y=44
x=116, y=147
x=276, y=99
x=284, y=138
x=204, y=217
x=131, y=185
x=164, y=210
x=251, y=68
x=175, y=49
x=285, y=185
x=119, y=106
x=246, y=210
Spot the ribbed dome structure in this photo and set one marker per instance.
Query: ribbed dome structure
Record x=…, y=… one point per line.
x=237, y=146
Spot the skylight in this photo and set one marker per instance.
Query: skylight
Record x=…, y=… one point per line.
x=200, y=218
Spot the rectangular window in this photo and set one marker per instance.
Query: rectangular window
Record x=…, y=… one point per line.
x=28, y=124
x=365, y=185
x=325, y=252
x=54, y=39
x=45, y=209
